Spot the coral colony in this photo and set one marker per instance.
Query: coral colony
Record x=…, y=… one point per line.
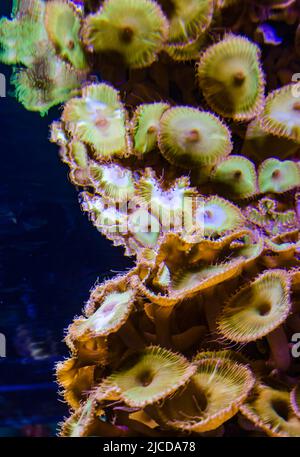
x=181, y=130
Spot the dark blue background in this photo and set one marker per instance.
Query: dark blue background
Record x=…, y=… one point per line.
x=50, y=257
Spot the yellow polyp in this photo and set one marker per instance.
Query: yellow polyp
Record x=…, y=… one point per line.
x=97, y=118
x=281, y=116
x=189, y=20
x=150, y=376
x=231, y=78
x=270, y=409
x=191, y=138
x=136, y=29
x=257, y=309
x=186, y=51
x=145, y=126
x=212, y=396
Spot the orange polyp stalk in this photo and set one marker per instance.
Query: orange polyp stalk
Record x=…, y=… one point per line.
x=212, y=307
x=135, y=425
x=279, y=347
x=130, y=336
x=162, y=319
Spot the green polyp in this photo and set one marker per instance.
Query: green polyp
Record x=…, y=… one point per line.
x=150, y=375
x=30, y=9
x=145, y=228
x=192, y=138
x=78, y=154
x=277, y=246
x=269, y=409
x=21, y=37
x=189, y=20
x=211, y=398
x=146, y=125
x=63, y=27
x=261, y=145
x=110, y=315
x=250, y=250
x=278, y=176
x=258, y=308
x=98, y=119
x=46, y=83
x=218, y=216
x=114, y=182
x=256, y=217
x=197, y=277
x=231, y=78
x=136, y=29
x=236, y=176
x=268, y=217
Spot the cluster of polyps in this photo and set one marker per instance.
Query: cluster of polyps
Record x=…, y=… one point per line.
x=200, y=184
